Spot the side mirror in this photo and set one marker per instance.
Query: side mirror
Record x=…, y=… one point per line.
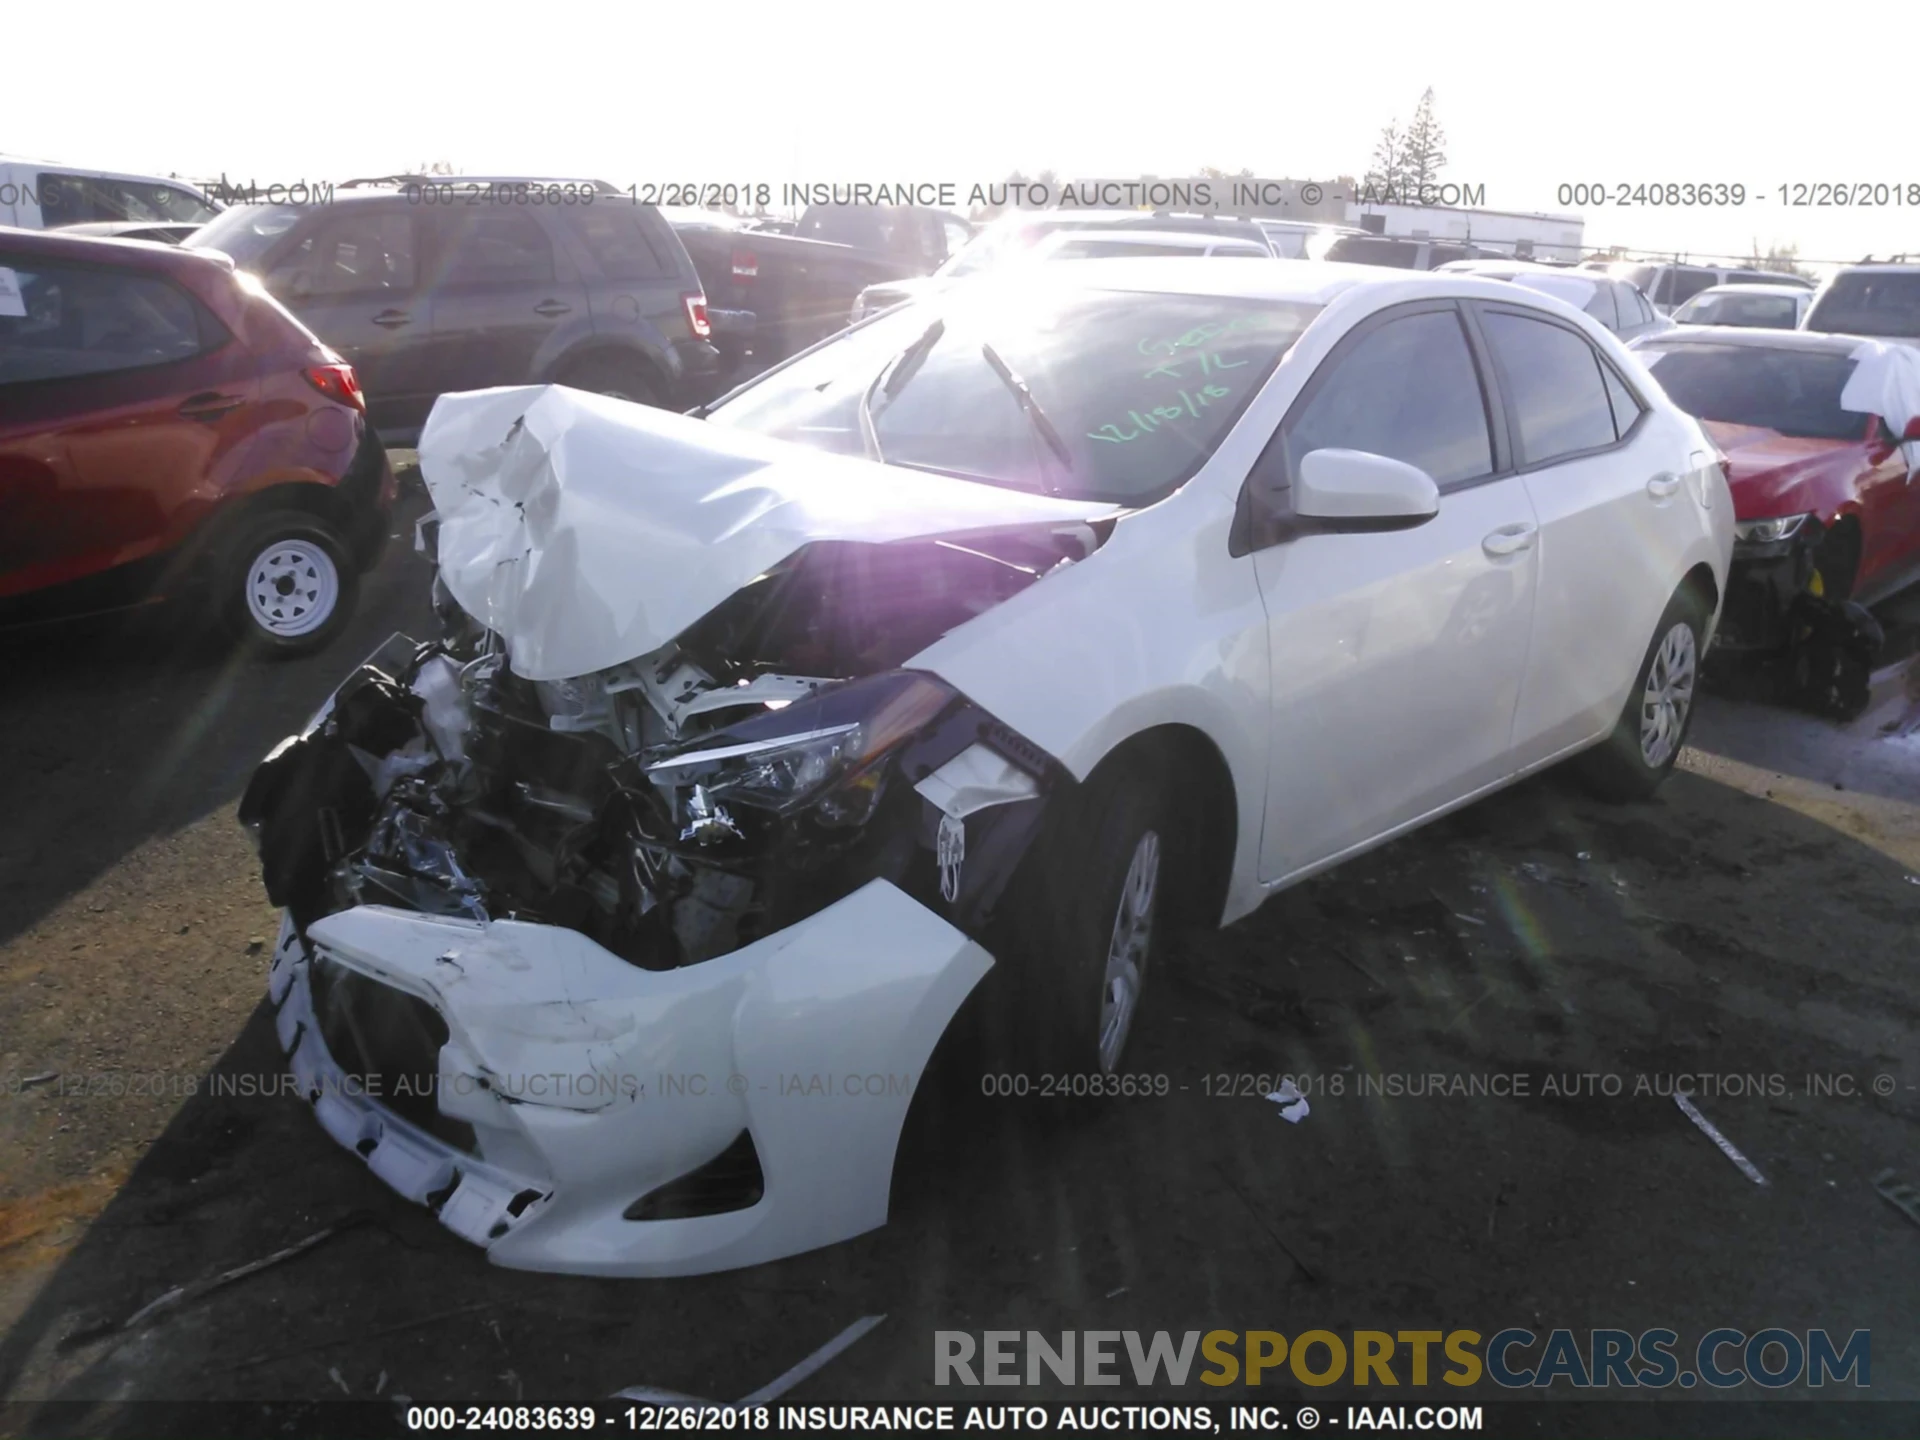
x=1360, y=490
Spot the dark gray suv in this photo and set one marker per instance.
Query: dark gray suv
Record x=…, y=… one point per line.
x=459, y=284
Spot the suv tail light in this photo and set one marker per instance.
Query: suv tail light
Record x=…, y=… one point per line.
x=338, y=383
x=746, y=265
x=696, y=304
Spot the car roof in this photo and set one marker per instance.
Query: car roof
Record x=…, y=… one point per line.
x=1312, y=282
x=1881, y=267
x=1755, y=337
x=110, y=250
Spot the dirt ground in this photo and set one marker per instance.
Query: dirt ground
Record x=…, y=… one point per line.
x=1758, y=921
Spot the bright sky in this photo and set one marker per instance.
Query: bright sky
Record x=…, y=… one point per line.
x=843, y=90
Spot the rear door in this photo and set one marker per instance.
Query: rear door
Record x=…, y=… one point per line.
x=1396, y=654
x=355, y=275
x=503, y=291
x=1600, y=480
x=123, y=405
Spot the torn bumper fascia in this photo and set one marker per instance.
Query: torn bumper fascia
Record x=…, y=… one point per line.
x=811, y=1040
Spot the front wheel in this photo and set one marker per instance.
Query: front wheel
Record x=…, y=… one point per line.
x=1640, y=753
x=288, y=586
x=1088, y=913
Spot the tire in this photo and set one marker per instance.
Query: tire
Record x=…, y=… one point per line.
x=287, y=585
x=1085, y=918
x=617, y=379
x=1646, y=741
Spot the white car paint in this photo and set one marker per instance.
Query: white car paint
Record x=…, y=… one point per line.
x=593, y=1082
x=1354, y=684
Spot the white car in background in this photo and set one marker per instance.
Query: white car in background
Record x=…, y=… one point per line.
x=1615, y=303
x=997, y=634
x=1767, y=307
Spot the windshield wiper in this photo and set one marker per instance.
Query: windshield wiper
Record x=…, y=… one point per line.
x=1032, y=408
x=892, y=379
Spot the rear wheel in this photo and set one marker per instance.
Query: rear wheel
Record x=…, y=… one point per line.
x=616, y=378
x=1631, y=763
x=288, y=584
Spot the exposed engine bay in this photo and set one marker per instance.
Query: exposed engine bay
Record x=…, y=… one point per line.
x=674, y=807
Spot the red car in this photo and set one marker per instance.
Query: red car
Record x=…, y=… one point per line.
x=1825, y=497
x=168, y=430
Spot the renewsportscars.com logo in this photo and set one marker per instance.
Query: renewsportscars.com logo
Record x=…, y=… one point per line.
x=1513, y=1358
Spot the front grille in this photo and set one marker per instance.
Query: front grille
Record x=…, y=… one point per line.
x=388, y=1043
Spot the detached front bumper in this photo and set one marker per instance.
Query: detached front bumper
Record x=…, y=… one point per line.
x=743, y=1109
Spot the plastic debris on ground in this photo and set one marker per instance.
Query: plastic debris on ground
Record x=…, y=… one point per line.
x=768, y=1393
x=1293, y=1105
x=1896, y=1192
x=1727, y=1147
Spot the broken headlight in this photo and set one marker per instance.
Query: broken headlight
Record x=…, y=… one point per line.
x=824, y=750
x=1766, y=532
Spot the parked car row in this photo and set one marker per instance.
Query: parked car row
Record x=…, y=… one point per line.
x=411, y=302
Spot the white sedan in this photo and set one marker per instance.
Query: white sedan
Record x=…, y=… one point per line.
x=973, y=647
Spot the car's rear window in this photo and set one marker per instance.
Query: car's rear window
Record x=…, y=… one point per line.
x=1796, y=392
x=1772, y=312
x=1139, y=388
x=1369, y=250
x=1880, y=303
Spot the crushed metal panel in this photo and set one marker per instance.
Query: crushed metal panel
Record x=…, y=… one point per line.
x=587, y=532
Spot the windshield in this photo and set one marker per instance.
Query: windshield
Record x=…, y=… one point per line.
x=246, y=232
x=1869, y=303
x=1100, y=395
x=1771, y=312
x=1795, y=392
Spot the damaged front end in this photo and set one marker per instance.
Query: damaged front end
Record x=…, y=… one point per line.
x=1819, y=648
x=587, y=964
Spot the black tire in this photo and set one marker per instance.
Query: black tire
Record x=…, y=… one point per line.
x=616, y=378
x=1641, y=751
x=1061, y=922
x=288, y=554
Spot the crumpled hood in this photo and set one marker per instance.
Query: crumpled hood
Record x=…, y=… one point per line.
x=1775, y=474
x=587, y=531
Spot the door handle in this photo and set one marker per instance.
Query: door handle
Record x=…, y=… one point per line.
x=552, y=307
x=1510, y=539
x=209, y=405
x=1661, y=486
x=392, y=319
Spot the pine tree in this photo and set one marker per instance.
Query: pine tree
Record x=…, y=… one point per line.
x=1384, y=172
x=1423, y=152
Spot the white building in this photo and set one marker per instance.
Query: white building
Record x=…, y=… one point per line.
x=1527, y=235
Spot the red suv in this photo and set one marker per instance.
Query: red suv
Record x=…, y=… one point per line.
x=168, y=430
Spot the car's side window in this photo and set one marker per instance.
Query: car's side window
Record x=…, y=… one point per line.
x=1627, y=410
x=499, y=247
x=357, y=253
x=1554, y=384
x=1600, y=307
x=1408, y=390
x=1688, y=283
x=616, y=236
x=77, y=320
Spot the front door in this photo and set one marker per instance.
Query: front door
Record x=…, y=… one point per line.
x=1397, y=655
